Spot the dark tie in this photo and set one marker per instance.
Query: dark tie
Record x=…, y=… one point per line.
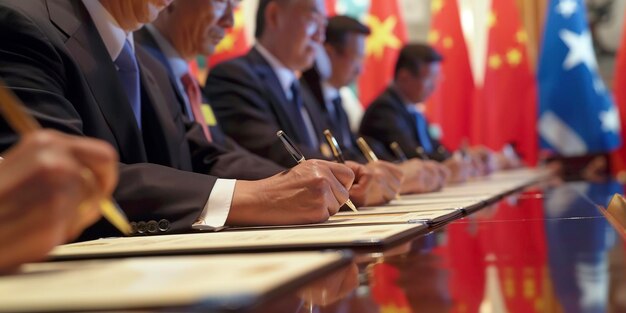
x=128, y=72
x=195, y=100
x=297, y=115
x=422, y=130
x=341, y=125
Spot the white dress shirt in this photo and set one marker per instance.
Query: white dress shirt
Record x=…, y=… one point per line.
x=287, y=77
x=218, y=205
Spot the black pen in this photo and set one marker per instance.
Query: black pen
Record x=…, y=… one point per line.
x=299, y=157
x=397, y=150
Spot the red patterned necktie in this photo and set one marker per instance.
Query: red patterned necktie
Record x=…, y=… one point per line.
x=195, y=100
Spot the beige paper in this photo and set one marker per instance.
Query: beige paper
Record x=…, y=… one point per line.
x=236, y=240
x=156, y=282
x=394, y=209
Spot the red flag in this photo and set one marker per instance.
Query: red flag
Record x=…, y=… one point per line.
x=382, y=48
x=507, y=112
x=331, y=7
x=618, y=157
x=234, y=43
x=450, y=105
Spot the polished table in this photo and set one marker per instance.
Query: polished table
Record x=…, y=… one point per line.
x=546, y=248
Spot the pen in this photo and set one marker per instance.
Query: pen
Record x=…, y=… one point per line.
x=334, y=146
x=15, y=114
x=366, y=150
x=395, y=147
x=299, y=157
x=422, y=154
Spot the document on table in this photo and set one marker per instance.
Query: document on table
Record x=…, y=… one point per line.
x=390, y=209
x=204, y=282
x=429, y=217
x=240, y=240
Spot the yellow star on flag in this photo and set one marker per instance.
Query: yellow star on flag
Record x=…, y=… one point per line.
x=433, y=37
x=382, y=36
x=393, y=309
x=521, y=36
x=495, y=61
x=448, y=42
x=229, y=40
x=514, y=57
x=436, y=6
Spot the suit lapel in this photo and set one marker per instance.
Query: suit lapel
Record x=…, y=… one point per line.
x=89, y=52
x=275, y=94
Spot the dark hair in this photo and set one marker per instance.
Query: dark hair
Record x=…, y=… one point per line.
x=260, y=15
x=339, y=27
x=413, y=56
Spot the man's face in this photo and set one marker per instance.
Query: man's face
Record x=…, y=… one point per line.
x=201, y=24
x=424, y=83
x=347, y=62
x=133, y=14
x=301, y=25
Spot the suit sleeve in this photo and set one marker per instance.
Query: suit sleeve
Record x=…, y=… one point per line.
x=239, y=103
x=48, y=82
x=384, y=124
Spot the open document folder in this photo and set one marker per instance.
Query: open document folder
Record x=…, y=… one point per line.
x=208, y=283
x=370, y=236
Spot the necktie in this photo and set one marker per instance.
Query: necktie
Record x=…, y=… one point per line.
x=128, y=72
x=195, y=100
x=422, y=130
x=343, y=126
x=297, y=113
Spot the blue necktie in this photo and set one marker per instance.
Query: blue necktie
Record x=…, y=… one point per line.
x=128, y=72
x=298, y=117
x=422, y=130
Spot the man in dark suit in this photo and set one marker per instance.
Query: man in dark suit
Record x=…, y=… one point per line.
x=262, y=88
x=184, y=30
x=338, y=65
x=75, y=65
x=394, y=115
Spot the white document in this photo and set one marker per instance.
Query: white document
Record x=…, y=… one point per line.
x=259, y=239
x=391, y=209
x=414, y=217
x=210, y=282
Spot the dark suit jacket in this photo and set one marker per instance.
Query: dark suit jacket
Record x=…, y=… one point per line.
x=246, y=165
x=387, y=120
x=249, y=102
x=52, y=56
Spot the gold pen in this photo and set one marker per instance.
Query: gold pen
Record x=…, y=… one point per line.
x=397, y=150
x=16, y=115
x=299, y=157
x=366, y=150
x=334, y=146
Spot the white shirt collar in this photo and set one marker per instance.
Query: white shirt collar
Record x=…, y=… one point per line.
x=176, y=63
x=330, y=93
x=284, y=74
x=112, y=34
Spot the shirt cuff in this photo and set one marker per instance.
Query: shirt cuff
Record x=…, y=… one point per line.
x=216, y=209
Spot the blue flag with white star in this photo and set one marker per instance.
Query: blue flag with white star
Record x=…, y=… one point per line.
x=577, y=114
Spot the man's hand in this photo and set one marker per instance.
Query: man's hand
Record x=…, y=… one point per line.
x=310, y=192
x=375, y=183
x=49, y=185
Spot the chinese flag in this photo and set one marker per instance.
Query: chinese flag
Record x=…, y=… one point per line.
x=330, y=7
x=618, y=157
x=234, y=43
x=450, y=105
x=507, y=112
x=382, y=48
